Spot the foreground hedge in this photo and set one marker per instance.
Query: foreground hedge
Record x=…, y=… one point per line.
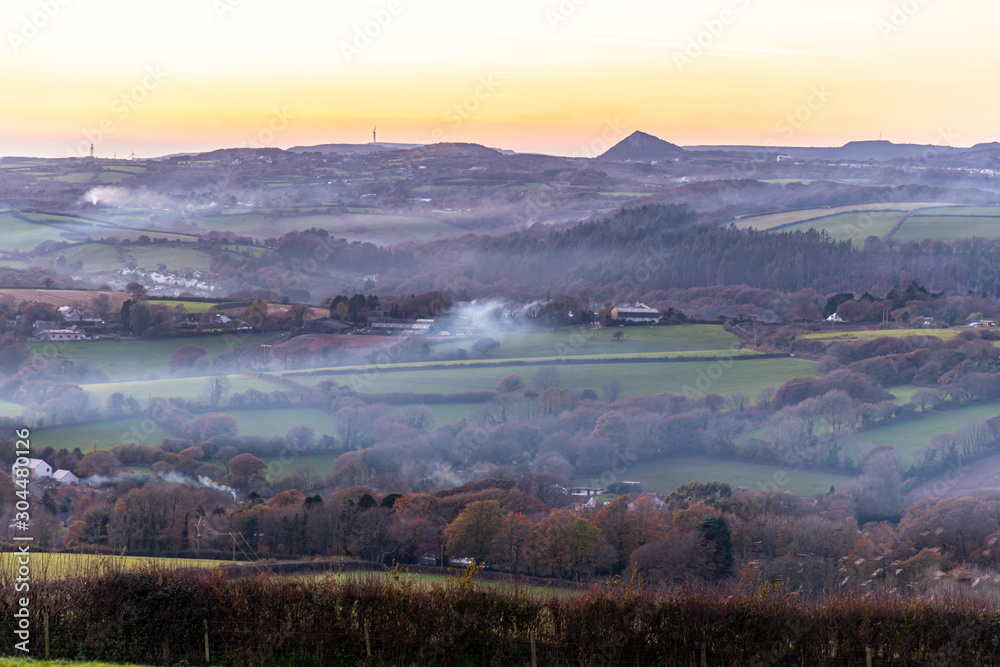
x=157, y=616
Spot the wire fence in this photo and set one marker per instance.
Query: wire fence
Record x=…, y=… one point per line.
x=244, y=643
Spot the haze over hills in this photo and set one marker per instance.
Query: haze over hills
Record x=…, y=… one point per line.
x=358, y=149
x=863, y=151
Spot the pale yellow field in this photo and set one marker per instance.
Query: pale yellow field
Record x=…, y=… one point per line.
x=57, y=566
x=830, y=336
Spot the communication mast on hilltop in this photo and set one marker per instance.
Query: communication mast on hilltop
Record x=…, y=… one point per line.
x=91, y=151
x=374, y=141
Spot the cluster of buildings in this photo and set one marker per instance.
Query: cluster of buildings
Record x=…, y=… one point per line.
x=169, y=281
x=49, y=330
x=40, y=470
x=638, y=313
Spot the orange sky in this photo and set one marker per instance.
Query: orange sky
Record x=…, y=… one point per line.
x=565, y=76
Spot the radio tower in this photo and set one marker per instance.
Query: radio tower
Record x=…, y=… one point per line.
x=374, y=141
x=91, y=151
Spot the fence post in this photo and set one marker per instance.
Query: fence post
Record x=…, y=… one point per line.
x=868, y=656
x=45, y=622
x=207, y=655
x=704, y=655
x=368, y=641
x=534, y=656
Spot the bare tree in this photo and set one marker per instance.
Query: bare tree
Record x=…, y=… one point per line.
x=612, y=390
x=217, y=388
x=547, y=377
x=765, y=396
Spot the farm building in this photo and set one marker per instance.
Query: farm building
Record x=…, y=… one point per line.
x=637, y=312
x=38, y=468
x=326, y=325
x=45, y=325
x=394, y=325
x=70, y=314
x=65, y=477
x=61, y=334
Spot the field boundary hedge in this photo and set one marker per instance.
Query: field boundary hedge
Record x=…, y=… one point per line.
x=530, y=362
x=157, y=616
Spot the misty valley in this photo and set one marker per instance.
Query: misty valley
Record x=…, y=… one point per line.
x=761, y=377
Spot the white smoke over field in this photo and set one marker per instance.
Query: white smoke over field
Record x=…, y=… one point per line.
x=178, y=478
x=97, y=481
x=141, y=198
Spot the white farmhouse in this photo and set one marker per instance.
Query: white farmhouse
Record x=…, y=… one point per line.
x=38, y=468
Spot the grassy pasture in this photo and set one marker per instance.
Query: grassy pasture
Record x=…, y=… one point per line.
x=189, y=306
x=134, y=359
x=22, y=236
x=184, y=387
x=993, y=211
x=8, y=409
x=730, y=376
x=174, y=257
x=856, y=226
x=946, y=228
x=772, y=220
x=109, y=435
x=909, y=437
x=103, y=436
x=579, y=342
x=667, y=474
x=377, y=228
x=96, y=257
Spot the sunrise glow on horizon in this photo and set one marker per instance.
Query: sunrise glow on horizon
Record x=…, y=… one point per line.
x=565, y=77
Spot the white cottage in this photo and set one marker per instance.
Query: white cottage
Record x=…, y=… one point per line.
x=38, y=468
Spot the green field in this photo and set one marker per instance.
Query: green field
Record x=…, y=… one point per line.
x=666, y=475
x=106, y=435
x=578, y=342
x=189, y=306
x=96, y=257
x=8, y=409
x=192, y=388
x=132, y=358
x=856, y=226
x=725, y=376
x=772, y=220
x=946, y=228
x=102, y=257
x=22, y=236
x=905, y=393
x=909, y=436
x=992, y=211
x=377, y=228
